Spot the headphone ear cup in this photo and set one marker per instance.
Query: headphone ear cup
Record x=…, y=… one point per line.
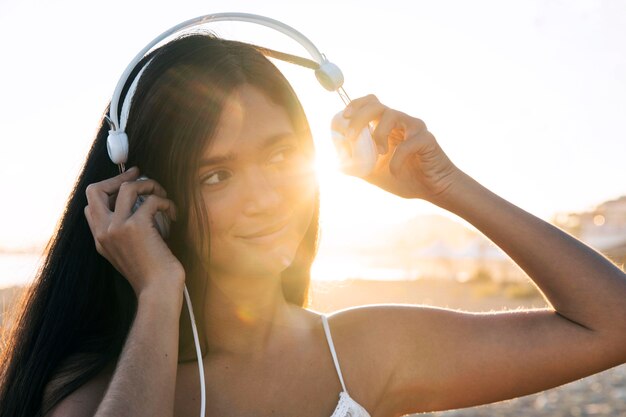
x=117, y=146
x=330, y=76
x=356, y=158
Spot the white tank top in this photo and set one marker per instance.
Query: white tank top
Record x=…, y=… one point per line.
x=346, y=407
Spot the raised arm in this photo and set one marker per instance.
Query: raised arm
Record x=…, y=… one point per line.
x=439, y=359
x=143, y=382
x=582, y=285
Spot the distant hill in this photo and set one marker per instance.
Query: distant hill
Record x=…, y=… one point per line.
x=26, y=250
x=417, y=233
x=426, y=229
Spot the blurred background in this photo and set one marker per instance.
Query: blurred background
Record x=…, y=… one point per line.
x=527, y=97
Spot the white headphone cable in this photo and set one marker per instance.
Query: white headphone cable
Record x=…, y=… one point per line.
x=198, y=352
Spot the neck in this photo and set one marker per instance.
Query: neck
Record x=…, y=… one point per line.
x=244, y=314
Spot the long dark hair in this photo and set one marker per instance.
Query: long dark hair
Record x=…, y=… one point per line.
x=73, y=321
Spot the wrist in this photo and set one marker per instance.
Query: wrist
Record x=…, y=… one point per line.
x=164, y=293
x=458, y=188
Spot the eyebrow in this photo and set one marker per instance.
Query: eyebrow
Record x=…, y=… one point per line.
x=229, y=157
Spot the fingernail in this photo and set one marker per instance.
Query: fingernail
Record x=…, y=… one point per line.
x=347, y=112
x=132, y=169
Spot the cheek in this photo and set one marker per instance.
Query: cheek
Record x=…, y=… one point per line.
x=220, y=216
x=302, y=179
x=213, y=224
x=302, y=196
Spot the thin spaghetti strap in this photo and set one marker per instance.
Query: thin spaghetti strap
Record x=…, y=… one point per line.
x=329, y=339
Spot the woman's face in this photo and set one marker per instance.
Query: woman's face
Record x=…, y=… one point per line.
x=257, y=182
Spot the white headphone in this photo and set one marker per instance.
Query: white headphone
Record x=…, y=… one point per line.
x=328, y=74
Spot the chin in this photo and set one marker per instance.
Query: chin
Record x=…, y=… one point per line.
x=267, y=262
x=271, y=264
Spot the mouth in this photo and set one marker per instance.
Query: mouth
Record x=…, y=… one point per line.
x=267, y=232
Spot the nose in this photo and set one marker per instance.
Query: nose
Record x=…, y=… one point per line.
x=261, y=192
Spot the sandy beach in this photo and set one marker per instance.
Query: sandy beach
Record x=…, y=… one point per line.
x=603, y=394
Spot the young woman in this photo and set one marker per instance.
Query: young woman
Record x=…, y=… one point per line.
x=229, y=154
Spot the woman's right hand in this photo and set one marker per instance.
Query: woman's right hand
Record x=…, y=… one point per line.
x=130, y=241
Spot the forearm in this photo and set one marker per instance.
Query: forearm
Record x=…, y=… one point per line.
x=581, y=284
x=144, y=380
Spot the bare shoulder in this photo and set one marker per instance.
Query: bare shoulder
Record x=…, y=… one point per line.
x=383, y=325
x=389, y=327
x=371, y=342
x=86, y=399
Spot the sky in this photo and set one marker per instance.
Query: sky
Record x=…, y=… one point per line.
x=527, y=97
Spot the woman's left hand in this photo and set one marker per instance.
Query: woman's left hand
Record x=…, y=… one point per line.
x=411, y=164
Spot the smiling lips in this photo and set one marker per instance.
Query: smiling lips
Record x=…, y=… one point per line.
x=268, y=231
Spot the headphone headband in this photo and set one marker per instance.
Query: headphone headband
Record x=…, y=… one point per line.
x=328, y=74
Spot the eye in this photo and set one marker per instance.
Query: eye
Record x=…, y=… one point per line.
x=283, y=155
x=216, y=177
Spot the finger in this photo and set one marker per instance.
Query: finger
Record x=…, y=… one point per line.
x=130, y=190
x=95, y=228
x=413, y=145
x=90, y=222
x=356, y=104
x=111, y=185
x=394, y=126
x=153, y=204
x=367, y=113
x=390, y=122
x=98, y=194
